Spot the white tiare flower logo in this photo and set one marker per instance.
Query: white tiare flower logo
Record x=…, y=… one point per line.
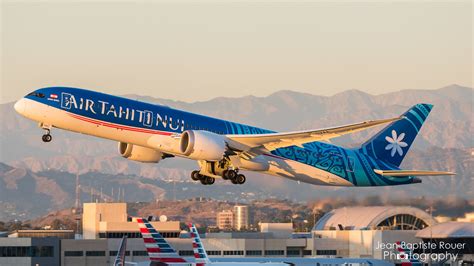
x=395, y=143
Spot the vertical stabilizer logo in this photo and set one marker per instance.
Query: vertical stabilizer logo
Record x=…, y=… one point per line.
x=395, y=143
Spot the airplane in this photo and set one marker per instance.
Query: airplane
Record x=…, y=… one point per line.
x=200, y=254
x=121, y=254
x=201, y=258
x=405, y=255
x=149, y=133
x=161, y=252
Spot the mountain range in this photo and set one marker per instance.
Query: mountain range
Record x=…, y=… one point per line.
x=34, y=169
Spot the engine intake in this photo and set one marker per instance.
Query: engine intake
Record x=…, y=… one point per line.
x=202, y=145
x=139, y=153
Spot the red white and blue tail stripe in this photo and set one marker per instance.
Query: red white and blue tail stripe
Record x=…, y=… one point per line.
x=406, y=255
x=200, y=254
x=157, y=247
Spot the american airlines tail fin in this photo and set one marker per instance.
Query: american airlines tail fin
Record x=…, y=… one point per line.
x=157, y=247
x=405, y=255
x=392, y=143
x=200, y=253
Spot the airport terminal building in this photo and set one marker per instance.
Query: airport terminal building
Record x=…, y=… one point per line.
x=355, y=232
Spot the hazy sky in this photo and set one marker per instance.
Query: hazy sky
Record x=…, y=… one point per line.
x=200, y=50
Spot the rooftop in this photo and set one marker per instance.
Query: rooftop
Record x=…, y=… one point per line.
x=374, y=217
x=448, y=230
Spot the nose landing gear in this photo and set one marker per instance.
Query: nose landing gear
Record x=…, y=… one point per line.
x=46, y=138
x=47, y=135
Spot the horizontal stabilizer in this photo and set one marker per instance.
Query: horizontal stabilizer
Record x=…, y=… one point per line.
x=410, y=172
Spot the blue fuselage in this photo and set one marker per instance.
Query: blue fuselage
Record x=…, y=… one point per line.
x=353, y=165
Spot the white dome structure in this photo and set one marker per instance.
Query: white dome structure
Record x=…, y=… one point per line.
x=448, y=230
x=375, y=218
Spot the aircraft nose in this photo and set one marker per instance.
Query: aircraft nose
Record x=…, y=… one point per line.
x=20, y=106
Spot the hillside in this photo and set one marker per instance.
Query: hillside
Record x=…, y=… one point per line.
x=203, y=212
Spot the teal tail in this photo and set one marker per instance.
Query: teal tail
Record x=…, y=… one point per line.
x=392, y=143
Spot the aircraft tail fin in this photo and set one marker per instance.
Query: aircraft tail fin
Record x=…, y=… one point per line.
x=393, y=142
x=200, y=253
x=120, y=258
x=156, y=245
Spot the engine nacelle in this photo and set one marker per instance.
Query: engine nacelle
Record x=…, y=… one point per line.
x=139, y=153
x=202, y=145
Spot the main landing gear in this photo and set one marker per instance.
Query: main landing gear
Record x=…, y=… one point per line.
x=231, y=175
x=205, y=180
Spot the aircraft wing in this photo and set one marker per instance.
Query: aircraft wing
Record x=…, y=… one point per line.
x=272, y=141
x=402, y=173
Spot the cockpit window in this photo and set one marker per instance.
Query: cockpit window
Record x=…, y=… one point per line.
x=36, y=94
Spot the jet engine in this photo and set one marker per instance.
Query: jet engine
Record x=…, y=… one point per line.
x=202, y=145
x=139, y=153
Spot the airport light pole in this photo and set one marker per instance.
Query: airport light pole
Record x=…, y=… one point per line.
x=431, y=233
x=77, y=203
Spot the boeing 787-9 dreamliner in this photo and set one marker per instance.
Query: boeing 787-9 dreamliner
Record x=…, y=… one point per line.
x=149, y=133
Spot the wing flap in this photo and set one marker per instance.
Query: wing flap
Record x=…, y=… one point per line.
x=402, y=173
